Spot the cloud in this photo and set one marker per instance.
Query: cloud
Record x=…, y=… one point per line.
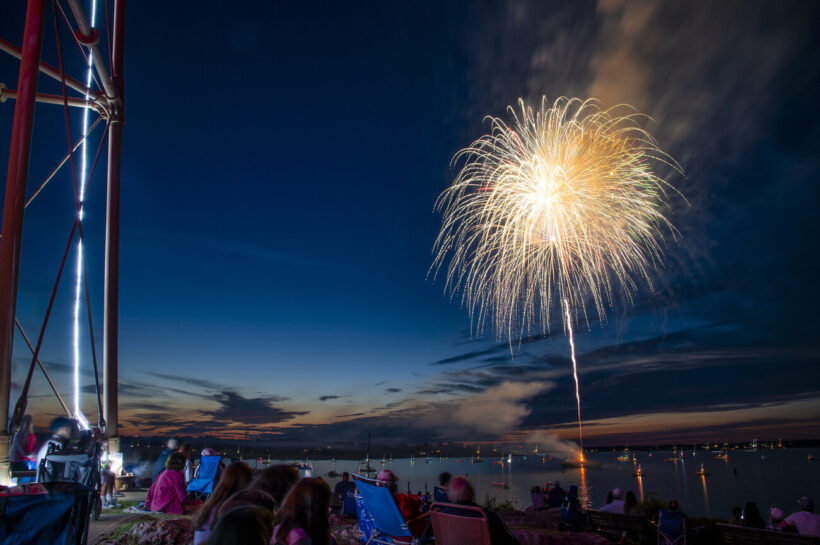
x=329, y=397
x=392, y=390
x=259, y=410
x=206, y=384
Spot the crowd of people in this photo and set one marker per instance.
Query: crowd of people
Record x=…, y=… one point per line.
x=804, y=521
x=274, y=506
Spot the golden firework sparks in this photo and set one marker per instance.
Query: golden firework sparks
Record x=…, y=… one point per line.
x=562, y=204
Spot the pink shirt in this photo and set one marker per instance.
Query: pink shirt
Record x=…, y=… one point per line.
x=167, y=493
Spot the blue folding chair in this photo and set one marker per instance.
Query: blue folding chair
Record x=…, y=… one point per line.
x=379, y=518
x=671, y=527
x=203, y=485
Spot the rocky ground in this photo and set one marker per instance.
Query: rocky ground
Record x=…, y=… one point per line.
x=118, y=527
x=122, y=528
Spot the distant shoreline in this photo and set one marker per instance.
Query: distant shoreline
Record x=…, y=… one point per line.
x=145, y=447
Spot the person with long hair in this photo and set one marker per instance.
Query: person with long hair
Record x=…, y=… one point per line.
x=303, y=516
x=243, y=525
x=23, y=448
x=248, y=496
x=631, y=505
x=236, y=477
x=276, y=480
x=168, y=493
x=751, y=516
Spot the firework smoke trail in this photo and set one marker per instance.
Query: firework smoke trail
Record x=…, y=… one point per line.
x=563, y=205
x=568, y=319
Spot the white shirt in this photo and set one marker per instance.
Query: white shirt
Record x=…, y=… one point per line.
x=617, y=506
x=807, y=524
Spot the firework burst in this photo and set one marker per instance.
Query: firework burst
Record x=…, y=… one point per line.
x=560, y=205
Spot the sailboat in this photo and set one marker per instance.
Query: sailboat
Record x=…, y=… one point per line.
x=364, y=466
x=702, y=472
x=624, y=457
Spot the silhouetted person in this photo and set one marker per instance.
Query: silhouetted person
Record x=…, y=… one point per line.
x=461, y=492
x=557, y=495
x=159, y=465
x=244, y=525
x=344, y=485
x=440, y=491
x=751, y=516
x=805, y=520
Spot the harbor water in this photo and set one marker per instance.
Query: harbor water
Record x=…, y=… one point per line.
x=770, y=478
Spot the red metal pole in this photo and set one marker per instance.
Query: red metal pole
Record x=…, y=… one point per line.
x=112, y=239
x=13, y=208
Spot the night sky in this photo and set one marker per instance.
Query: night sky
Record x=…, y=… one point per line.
x=281, y=163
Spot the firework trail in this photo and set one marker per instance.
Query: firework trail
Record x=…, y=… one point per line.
x=560, y=205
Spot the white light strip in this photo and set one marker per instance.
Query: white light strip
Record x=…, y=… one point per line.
x=78, y=291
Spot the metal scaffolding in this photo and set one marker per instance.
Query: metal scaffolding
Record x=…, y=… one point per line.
x=107, y=102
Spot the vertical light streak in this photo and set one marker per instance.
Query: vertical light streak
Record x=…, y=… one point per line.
x=575, y=374
x=78, y=287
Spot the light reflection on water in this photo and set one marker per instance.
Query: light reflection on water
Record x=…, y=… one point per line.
x=774, y=481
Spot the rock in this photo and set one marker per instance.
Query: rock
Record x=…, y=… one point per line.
x=345, y=531
x=159, y=531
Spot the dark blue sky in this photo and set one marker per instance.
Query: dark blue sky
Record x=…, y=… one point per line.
x=280, y=168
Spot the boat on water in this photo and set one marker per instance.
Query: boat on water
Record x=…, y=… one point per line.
x=623, y=457
x=306, y=465
x=722, y=455
x=333, y=473
x=638, y=471
x=752, y=447
x=581, y=464
x=477, y=458
x=364, y=467
x=810, y=458
x=702, y=472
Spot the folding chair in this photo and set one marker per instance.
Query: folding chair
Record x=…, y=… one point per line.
x=349, y=503
x=671, y=527
x=459, y=524
x=379, y=518
x=202, y=486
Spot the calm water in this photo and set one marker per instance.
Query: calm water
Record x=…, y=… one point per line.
x=770, y=478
